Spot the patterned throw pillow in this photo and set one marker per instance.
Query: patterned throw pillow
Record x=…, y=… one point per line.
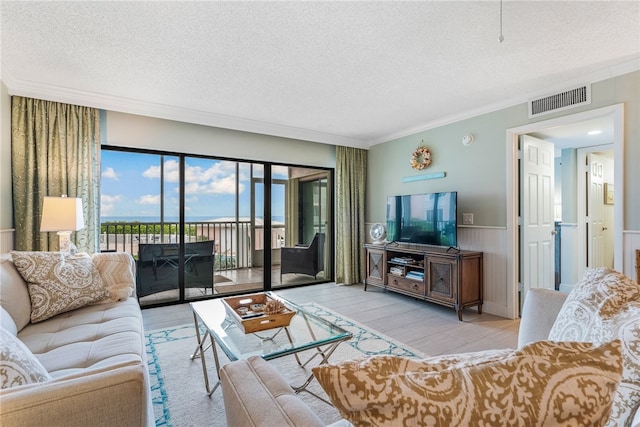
x=118, y=274
x=58, y=283
x=18, y=366
x=605, y=305
x=566, y=383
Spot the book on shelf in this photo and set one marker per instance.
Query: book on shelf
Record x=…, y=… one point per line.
x=403, y=260
x=396, y=270
x=415, y=275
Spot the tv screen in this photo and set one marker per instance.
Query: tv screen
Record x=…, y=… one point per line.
x=429, y=219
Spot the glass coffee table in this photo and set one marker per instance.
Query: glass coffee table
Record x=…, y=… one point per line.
x=306, y=331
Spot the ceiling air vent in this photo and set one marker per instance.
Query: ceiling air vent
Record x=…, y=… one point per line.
x=560, y=101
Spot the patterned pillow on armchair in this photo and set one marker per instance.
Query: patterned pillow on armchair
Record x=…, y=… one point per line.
x=568, y=383
x=605, y=305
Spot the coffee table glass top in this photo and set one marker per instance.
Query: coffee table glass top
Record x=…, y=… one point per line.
x=305, y=331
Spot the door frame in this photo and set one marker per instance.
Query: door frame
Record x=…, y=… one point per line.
x=513, y=191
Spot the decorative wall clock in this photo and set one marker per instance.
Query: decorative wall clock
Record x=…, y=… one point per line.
x=421, y=158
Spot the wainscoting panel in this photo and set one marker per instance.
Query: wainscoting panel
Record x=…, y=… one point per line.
x=492, y=241
x=630, y=242
x=6, y=241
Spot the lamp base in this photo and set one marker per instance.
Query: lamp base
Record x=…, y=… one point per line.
x=65, y=242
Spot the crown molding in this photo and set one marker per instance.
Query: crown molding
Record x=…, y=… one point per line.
x=607, y=73
x=133, y=106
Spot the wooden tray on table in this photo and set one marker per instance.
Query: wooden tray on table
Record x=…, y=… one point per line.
x=248, y=313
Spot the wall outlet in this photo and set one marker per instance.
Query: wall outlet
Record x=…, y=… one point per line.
x=467, y=219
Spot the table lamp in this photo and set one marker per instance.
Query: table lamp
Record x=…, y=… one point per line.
x=64, y=215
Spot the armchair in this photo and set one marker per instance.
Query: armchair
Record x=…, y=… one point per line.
x=303, y=259
x=158, y=266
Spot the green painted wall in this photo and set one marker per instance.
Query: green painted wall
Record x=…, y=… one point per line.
x=569, y=185
x=478, y=171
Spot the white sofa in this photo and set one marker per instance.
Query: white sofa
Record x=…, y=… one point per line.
x=256, y=394
x=95, y=356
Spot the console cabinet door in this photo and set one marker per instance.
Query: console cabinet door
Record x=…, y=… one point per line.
x=376, y=268
x=442, y=278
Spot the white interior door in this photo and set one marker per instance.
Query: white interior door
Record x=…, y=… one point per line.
x=595, y=212
x=537, y=217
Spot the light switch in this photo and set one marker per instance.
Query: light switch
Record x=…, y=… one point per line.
x=467, y=219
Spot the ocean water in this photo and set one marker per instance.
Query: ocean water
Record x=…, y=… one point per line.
x=172, y=218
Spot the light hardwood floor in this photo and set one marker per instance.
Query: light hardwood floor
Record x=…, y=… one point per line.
x=428, y=327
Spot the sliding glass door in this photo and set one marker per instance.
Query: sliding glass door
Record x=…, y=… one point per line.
x=140, y=212
x=307, y=256
x=201, y=227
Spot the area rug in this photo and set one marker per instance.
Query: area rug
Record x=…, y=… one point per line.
x=177, y=384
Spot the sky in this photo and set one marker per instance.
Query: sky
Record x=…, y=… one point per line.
x=131, y=186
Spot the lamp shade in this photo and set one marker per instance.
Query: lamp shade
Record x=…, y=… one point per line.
x=62, y=214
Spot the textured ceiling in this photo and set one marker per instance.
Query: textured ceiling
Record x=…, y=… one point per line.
x=349, y=73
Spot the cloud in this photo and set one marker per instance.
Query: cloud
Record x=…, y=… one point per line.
x=149, y=199
x=152, y=172
x=107, y=204
x=280, y=170
x=171, y=171
x=219, y=178
x=225, y=185
x=110, y=173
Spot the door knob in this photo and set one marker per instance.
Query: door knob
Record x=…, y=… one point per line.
x=604, y=228
x=554, y=232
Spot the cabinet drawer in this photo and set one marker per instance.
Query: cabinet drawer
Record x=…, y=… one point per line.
x=405, y=285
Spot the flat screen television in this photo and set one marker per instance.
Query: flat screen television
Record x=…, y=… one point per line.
x=430, y=219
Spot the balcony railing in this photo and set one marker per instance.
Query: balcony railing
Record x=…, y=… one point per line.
x=234, y=245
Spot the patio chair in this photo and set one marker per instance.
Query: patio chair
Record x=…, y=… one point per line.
x=303, y=259
x=157, y=269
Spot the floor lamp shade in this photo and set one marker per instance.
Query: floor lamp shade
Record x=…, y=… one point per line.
x=64, y=215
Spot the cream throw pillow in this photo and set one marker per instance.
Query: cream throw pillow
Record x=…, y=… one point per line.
x=58, y=283
x=18, y=366
x=544, y=383
x=605, y=305
x=118, y=274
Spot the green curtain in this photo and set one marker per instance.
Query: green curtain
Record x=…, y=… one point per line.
x=55, y=151
x=351, y=179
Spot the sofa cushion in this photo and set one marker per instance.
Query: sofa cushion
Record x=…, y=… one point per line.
x=605, y=305
x=6, y=322
x=18, y=366
x=118, y=274
x=58, y=283
x=14, y=295
x=89, y=338
x=567, y=383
